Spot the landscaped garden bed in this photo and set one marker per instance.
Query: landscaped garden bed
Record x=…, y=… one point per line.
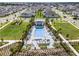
x=26, y=48
x=43, y=46
x=39, y=14
x=57, y=45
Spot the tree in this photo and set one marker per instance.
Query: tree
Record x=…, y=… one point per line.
x=2, y=40
x=6, y=20
x=52, y=20
x=59, y=30
x=75, y=17
x=67, y=35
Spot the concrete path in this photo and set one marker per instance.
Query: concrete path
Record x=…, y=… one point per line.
x=68, y=44
x=71, y=41
x=11, y=41
x=74, y=40
x=11, y=18
x=68, y=18
x=35, y=45
x=6, y=24
x=76, y=53
x=6, y=44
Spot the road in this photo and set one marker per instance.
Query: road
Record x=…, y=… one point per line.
x=11, y=18
x=68, y=18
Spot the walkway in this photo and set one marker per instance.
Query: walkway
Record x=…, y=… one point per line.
x=74, y=40
x=11, y=18
x=9, y=42
x=76, y=53
x=68, y=18
x=71, y=41
x=6, y=24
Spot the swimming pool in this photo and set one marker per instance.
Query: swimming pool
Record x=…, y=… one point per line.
x=40, y=35
x=39, y=32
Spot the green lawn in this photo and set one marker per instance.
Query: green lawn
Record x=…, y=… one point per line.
x=39, y=14
x=26, y=48
x=76, y=46
x=66, y=28
x=43, y=46
x=13, y=31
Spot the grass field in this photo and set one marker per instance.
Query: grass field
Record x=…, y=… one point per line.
x=43, y=46
x=39, y=14
x=13, y=31
x=75, y=46
x=66, y=28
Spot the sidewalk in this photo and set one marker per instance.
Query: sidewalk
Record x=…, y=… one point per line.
x=76, y=53
x=11, y=41
x=6, y=24
x=7, y=44
x=66, y=19
x=11, y=18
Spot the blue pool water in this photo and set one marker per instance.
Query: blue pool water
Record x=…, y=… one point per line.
x=39, y=32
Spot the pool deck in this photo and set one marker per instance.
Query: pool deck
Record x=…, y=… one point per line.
x=43, y=36
x=40, y=35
